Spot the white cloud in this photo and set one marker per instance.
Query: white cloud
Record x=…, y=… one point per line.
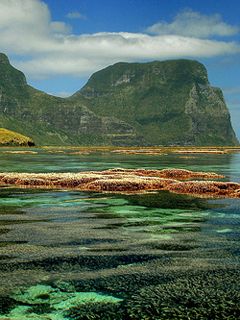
x=76, y=15
x=194, y=24
x=49, y=48
x=84, y=54
x=60, y=27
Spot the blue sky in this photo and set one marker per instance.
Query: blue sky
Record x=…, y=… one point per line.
x=59, y=43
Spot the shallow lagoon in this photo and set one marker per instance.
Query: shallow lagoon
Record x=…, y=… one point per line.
x=81, y=255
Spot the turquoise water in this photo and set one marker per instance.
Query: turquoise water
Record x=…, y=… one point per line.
x=81, y=255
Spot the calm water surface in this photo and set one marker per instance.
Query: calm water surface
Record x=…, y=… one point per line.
x=81, y=255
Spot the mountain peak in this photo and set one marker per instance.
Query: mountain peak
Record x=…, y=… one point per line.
x=12, y=81
x=4, y=59
x=156, y=73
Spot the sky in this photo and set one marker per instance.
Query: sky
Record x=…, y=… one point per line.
x=58, y=44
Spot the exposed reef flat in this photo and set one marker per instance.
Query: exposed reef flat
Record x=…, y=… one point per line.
x=206, y=151
x=20, y=152
x=148, y=151
x=181, y=174
x=207, y=188
x=128, y=180
x=177, y=150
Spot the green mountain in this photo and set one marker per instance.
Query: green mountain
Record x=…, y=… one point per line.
x=52, y=120
x=155, y=103
x=169, y=102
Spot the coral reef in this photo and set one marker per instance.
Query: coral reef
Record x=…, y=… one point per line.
x=204, y=151
x=196, y=295
x=46, y=302
x=96, y=311
x=145, y=151
x=21, y=152
x=205, y=296
x=176, y=150
x=128, y=180
x=171, y=173
x=207, y=188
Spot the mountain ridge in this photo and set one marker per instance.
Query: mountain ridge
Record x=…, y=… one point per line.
x=155, y=103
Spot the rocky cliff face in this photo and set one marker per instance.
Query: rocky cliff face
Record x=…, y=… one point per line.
x=168, y=102
x=153, y=103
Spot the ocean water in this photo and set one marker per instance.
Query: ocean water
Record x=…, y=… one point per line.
x=86, y=255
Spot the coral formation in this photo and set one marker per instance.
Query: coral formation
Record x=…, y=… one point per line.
x=205, y=296
x=47, y=302
x=144, y=151
x=128, y=180
x=96, y=311
x=207, y=188
x=199, y=295
x=21, y=152
x=206, y=151
x=172, y=173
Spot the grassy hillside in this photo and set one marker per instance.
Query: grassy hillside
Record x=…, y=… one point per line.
x=11, y=138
